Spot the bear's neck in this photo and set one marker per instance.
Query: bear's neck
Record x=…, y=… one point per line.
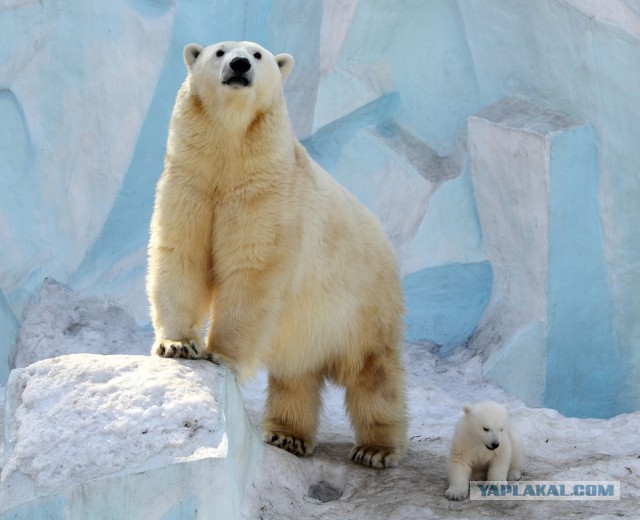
x=229, y=150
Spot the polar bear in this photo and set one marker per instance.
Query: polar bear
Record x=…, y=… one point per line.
x=485, y=447
x=291, y=271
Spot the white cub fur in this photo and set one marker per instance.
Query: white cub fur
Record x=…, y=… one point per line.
x=289, y=269
x=484, y=447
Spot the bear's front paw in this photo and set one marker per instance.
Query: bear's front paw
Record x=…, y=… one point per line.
x=187, y=349
x=455, y=493
x=288, y=442
x=218, y=359
x=375, y=456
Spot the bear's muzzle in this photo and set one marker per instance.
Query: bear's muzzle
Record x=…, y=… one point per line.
x=239, y=74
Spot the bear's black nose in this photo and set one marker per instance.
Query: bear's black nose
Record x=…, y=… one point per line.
x=494, y=445
x=240, y=65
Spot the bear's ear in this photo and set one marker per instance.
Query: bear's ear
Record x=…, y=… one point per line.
x=191, y=53
x=285, y=64
x=467, y=409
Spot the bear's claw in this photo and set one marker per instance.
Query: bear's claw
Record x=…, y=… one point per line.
x=215, y=359
x=288, y=443
x=375, y=456
x=177, y=349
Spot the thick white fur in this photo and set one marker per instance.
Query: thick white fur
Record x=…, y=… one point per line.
x=293, y=273
x=482, y=426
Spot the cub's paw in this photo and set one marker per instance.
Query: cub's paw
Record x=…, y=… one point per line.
x=456, y=493
x=290, y=443
x=187, y=349
x=375, y=456
x=514, y=474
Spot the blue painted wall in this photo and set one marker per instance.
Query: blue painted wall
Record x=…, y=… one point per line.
x=445, y=303
x=444, y=60
x=586, y=370
x=565, y=59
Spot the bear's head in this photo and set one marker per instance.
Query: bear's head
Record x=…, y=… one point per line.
x=486, y=421
x=240, y=76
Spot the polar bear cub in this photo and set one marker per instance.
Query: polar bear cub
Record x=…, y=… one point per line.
x=289, y=270
x=485, y=447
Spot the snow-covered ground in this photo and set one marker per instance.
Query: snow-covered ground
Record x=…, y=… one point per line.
x=556, y=448
x=127, y=392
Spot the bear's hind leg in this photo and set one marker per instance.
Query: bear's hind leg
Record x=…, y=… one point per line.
x=291, y=412
x=375, y=401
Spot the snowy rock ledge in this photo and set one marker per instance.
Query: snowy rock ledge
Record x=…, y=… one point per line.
x=125, y=436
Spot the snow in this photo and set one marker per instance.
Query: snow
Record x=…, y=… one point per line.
x=106, y=415
x=136, y=419
x=81, y=325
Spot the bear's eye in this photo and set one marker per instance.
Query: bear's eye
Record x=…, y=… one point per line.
x=486, y=429
x=257, y=55
x=220, y=53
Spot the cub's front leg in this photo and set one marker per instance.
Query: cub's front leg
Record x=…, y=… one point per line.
x=498, y=470
x=459, y=475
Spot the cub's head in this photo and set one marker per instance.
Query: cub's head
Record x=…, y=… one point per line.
x=238, y=73
x=486, y=420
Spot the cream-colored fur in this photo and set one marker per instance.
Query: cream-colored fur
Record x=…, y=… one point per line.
x=292, y=271
x=484, y=447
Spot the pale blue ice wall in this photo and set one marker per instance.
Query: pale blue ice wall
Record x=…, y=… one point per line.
x=580, y=58
x=123, y=235
x=380, y=94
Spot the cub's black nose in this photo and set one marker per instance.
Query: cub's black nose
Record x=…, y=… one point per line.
x=240, y=65
x=494, y=445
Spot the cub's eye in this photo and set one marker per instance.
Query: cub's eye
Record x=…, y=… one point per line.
x=220, y=53
x=257, y=55
x=486, y=429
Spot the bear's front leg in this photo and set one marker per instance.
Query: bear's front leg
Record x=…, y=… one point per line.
x=178, y=282
x=179, y=299
x=245, y=309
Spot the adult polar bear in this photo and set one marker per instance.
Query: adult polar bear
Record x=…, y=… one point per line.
x=293, y=272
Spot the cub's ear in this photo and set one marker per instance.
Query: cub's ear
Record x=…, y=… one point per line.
x=285, y=64
x=467, y=409
x=191, y=53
